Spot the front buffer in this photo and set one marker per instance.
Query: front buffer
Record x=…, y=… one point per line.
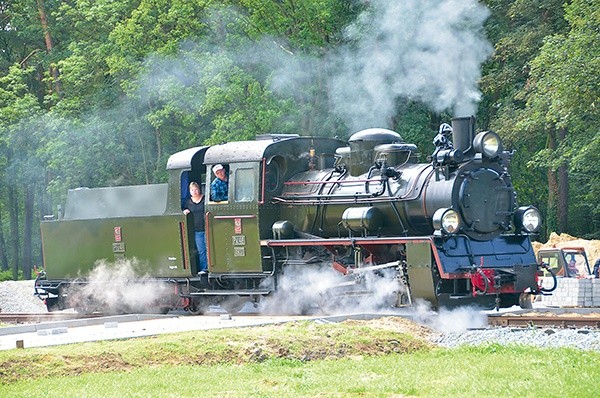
x=498, y=273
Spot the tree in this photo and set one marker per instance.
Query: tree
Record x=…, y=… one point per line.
x=518, y=30
x=18, y=145
x=49, y=43
x=563, y=96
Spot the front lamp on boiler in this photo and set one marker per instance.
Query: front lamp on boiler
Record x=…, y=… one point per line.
x=528, y=219
x=446, y=220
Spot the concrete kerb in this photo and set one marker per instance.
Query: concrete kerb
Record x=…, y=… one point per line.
x=35, y=327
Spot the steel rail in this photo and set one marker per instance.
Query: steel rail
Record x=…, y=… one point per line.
x=42, y=317
x=560, y=318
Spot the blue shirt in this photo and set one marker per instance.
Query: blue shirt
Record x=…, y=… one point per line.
x=218, y=190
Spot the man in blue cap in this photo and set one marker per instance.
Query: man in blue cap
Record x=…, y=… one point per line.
x=219, y=187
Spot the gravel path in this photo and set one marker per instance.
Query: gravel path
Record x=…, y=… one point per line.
x=18, y=297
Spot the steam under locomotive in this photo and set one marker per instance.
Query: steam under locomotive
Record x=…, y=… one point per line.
x=448, y=231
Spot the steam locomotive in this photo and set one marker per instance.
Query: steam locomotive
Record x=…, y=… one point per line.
x=356, y=214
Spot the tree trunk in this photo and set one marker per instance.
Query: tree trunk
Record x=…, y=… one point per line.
x=562, y=209
x=434, y=121
x=27, y=232
x=552, y=216
x=3, y=257
x=13, y=210
x=49, y=43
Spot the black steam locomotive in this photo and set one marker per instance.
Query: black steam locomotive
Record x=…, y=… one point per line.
x=310, y=221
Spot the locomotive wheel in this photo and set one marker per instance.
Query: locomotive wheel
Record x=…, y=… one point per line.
x=198, y=306
x=331, y=303
x=53, y=304
x=84, y=310
x=157, y=310
x=328, y=308
x=233, y=305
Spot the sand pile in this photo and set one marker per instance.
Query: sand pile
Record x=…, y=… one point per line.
x=592, y=247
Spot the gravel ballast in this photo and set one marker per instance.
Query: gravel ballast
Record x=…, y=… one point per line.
x=585, y=339
x=17, y=296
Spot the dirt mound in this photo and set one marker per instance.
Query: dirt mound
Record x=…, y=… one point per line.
x=592, y=247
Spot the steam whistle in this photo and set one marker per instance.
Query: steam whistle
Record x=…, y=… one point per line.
x=311, y=162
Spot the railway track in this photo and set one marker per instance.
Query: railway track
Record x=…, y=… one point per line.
x=17, y=318
x=549, y=317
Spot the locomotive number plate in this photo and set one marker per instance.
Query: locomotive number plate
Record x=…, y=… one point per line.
x=239, y=251
x=118, y=247
x=239, y=240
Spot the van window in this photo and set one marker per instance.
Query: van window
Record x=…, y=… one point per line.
x=245, y=190
x=553, y=263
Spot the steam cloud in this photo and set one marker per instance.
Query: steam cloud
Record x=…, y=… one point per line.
x=423, y=50
x=305, y=290
x=448, y=320
x=428, y=50
x=119, y=288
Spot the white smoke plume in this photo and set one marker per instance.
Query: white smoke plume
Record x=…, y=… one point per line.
x=118, y=288
x=428, y=50
x=423, y=50
x=308, y=289
x=448, y=320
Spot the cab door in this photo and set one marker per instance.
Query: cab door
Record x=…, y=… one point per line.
x=233, y=239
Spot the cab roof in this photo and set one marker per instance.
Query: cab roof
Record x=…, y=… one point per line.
x=187, y=158
x=265, y=147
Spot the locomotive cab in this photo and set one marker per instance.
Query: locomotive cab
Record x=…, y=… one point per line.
x=237, y=230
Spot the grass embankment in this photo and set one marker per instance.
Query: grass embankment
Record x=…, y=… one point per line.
x=353, y=358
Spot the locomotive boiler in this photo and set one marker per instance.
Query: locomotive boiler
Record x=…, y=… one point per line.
x=448, y=231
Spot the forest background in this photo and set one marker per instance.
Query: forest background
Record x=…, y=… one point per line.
x=101, y=92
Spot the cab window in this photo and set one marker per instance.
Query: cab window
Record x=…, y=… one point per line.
x=245, y=189
x=272, y=177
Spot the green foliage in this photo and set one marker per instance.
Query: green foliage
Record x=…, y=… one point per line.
x=544, y=78
x=563, y=94
x=154, y=26
x=8, y=275
x=16, y=101
x=517, y=29
x=308, y=26
x=142, y=79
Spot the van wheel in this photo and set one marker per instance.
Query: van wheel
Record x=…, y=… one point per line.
x=526, y=301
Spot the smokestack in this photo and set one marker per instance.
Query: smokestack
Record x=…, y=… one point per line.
x=463, y=133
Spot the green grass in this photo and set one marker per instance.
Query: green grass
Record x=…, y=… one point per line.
x=295, y=360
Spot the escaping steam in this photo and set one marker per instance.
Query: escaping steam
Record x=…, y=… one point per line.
x=448, y=320
x=306, y=290
x=118, y=288
x=426, y=50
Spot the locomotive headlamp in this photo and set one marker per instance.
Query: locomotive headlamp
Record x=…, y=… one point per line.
x=446, y=220
x=528, y=219
x=488, y=144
